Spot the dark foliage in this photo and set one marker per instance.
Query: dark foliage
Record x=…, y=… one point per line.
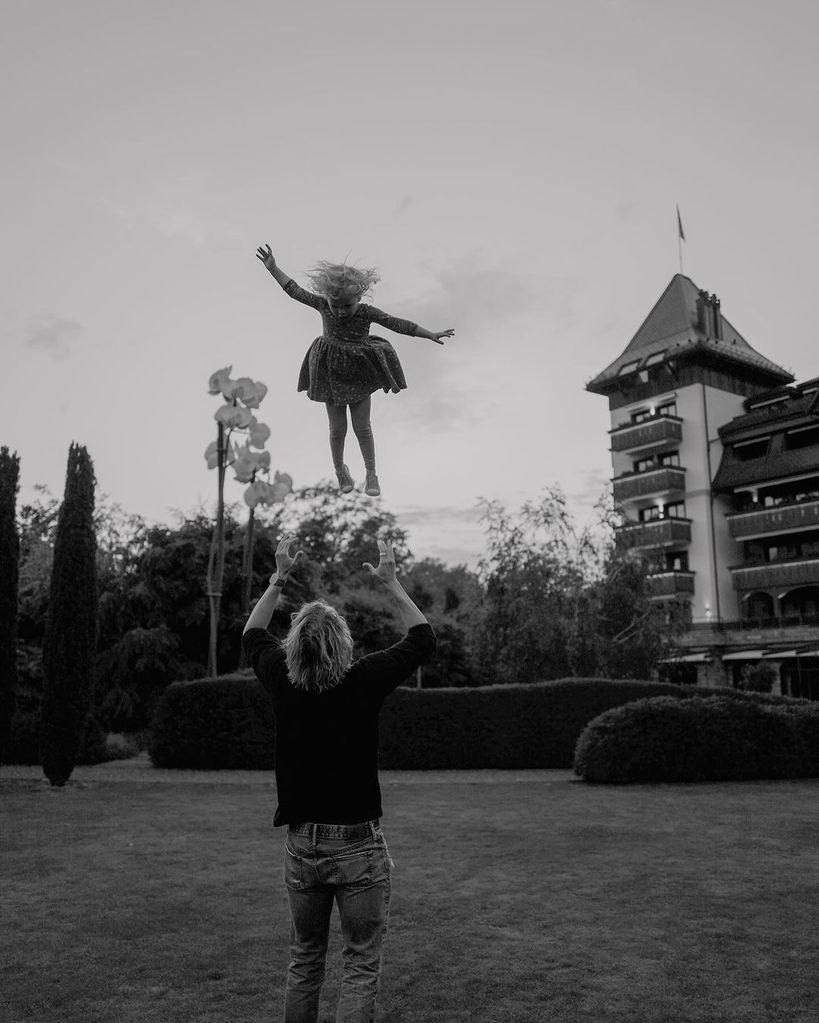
x=9, y=574
x=71, y=627
x=719, y=738
x=228, y=721
x=214, y=724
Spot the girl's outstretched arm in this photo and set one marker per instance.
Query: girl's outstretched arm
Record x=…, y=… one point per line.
x=288, y=284
x=405, y=326
x=266, y=256
x=420, y=332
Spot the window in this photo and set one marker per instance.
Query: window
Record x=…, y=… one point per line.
x=745, y=450
x=669, y=409
x=782, y=551
x=641, y=416
x=650, y=514
x=676, y=510
x=644, y=465
x=676, y=561
x=804, y=437
x=628, y=367
x=670, y=458
x=652, y=360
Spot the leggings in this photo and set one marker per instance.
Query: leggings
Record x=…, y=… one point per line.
x=360, y=416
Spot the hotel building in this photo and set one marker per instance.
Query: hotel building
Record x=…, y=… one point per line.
x=715, y=459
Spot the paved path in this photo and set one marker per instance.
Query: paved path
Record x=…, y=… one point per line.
x=139, y=770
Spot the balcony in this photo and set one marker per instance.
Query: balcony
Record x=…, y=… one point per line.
x=786, y=518
x=665, y=480
x=783, y=574
x=669, y=584
x=651, y=433
x=657, y=533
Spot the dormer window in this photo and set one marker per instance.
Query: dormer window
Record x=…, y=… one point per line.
x=745, y=450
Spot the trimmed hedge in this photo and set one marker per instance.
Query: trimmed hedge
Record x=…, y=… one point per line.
x=534, y=725
x=661, y=739
x=214, y=724
x=228, y=722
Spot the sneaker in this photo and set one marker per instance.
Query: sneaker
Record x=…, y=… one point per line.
x=371, y=487
x=345, y=480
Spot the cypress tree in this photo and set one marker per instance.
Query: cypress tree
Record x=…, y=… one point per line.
x=9, y=574
x=71, y=625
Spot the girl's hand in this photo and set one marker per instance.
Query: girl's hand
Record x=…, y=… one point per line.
x=386, y=565
x=444, y=333
x=266, y=256
x=284, y=560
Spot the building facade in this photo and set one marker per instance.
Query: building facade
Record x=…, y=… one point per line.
x=715, y=459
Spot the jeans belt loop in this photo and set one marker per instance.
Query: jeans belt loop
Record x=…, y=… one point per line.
x=314, y=836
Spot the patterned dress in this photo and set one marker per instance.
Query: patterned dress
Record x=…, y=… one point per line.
x=346, y=363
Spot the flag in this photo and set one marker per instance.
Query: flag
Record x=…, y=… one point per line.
x=679, y=225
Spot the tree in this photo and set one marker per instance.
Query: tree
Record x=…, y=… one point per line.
x=532, y=573
x=9, y=572
x=71, y=626
x=561, y=602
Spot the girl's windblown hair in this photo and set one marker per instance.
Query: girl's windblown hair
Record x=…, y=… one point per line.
x=318, y=648
x=338, y=280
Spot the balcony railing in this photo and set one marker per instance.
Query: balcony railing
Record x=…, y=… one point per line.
x=657, y=533
x=667, y=479
x=777, y=574
x=669, y=584
x=650, y=433
x=770, y=521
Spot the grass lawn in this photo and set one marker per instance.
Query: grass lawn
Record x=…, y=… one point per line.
x=156, y=896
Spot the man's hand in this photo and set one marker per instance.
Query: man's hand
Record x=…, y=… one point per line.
x=386, y=565
x=266, y=256
x=284, y=560
x=444, y=333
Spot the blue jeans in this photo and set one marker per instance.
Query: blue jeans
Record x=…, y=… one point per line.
x=348, y=864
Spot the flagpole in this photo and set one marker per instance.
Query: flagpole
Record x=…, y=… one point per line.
x=680, y=236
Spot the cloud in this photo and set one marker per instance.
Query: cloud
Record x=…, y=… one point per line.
x=53, y=335
x=171, y=220
x=403, y=206
x=502, y=318
x=450, y=533
x=592, y=487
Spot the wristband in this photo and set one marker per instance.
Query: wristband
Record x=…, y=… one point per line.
x=279, y=581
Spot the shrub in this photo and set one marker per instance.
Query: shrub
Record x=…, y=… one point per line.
x=533, y=725
x=228, y=722
x=217, y=723
x=25, y=746
x=758, y=678
x=719, y=738
x=120, y=747
x=24, y=739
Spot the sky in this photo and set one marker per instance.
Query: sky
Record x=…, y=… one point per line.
x=512, y=167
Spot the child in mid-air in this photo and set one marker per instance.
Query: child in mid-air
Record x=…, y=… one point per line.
x=346, y=364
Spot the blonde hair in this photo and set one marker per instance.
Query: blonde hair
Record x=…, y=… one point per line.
x=318, y=648
x=338, y=281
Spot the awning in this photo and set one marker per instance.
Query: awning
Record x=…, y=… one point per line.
x=743, y=655
x=688, y=658
x=808, y=653
x=780, y=655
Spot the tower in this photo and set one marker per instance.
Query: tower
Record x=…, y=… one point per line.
x=685, y=374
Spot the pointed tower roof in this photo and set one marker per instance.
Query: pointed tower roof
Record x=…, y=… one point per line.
x=684, y=321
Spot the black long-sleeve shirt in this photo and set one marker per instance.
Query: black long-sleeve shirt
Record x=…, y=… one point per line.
x=326, y=757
